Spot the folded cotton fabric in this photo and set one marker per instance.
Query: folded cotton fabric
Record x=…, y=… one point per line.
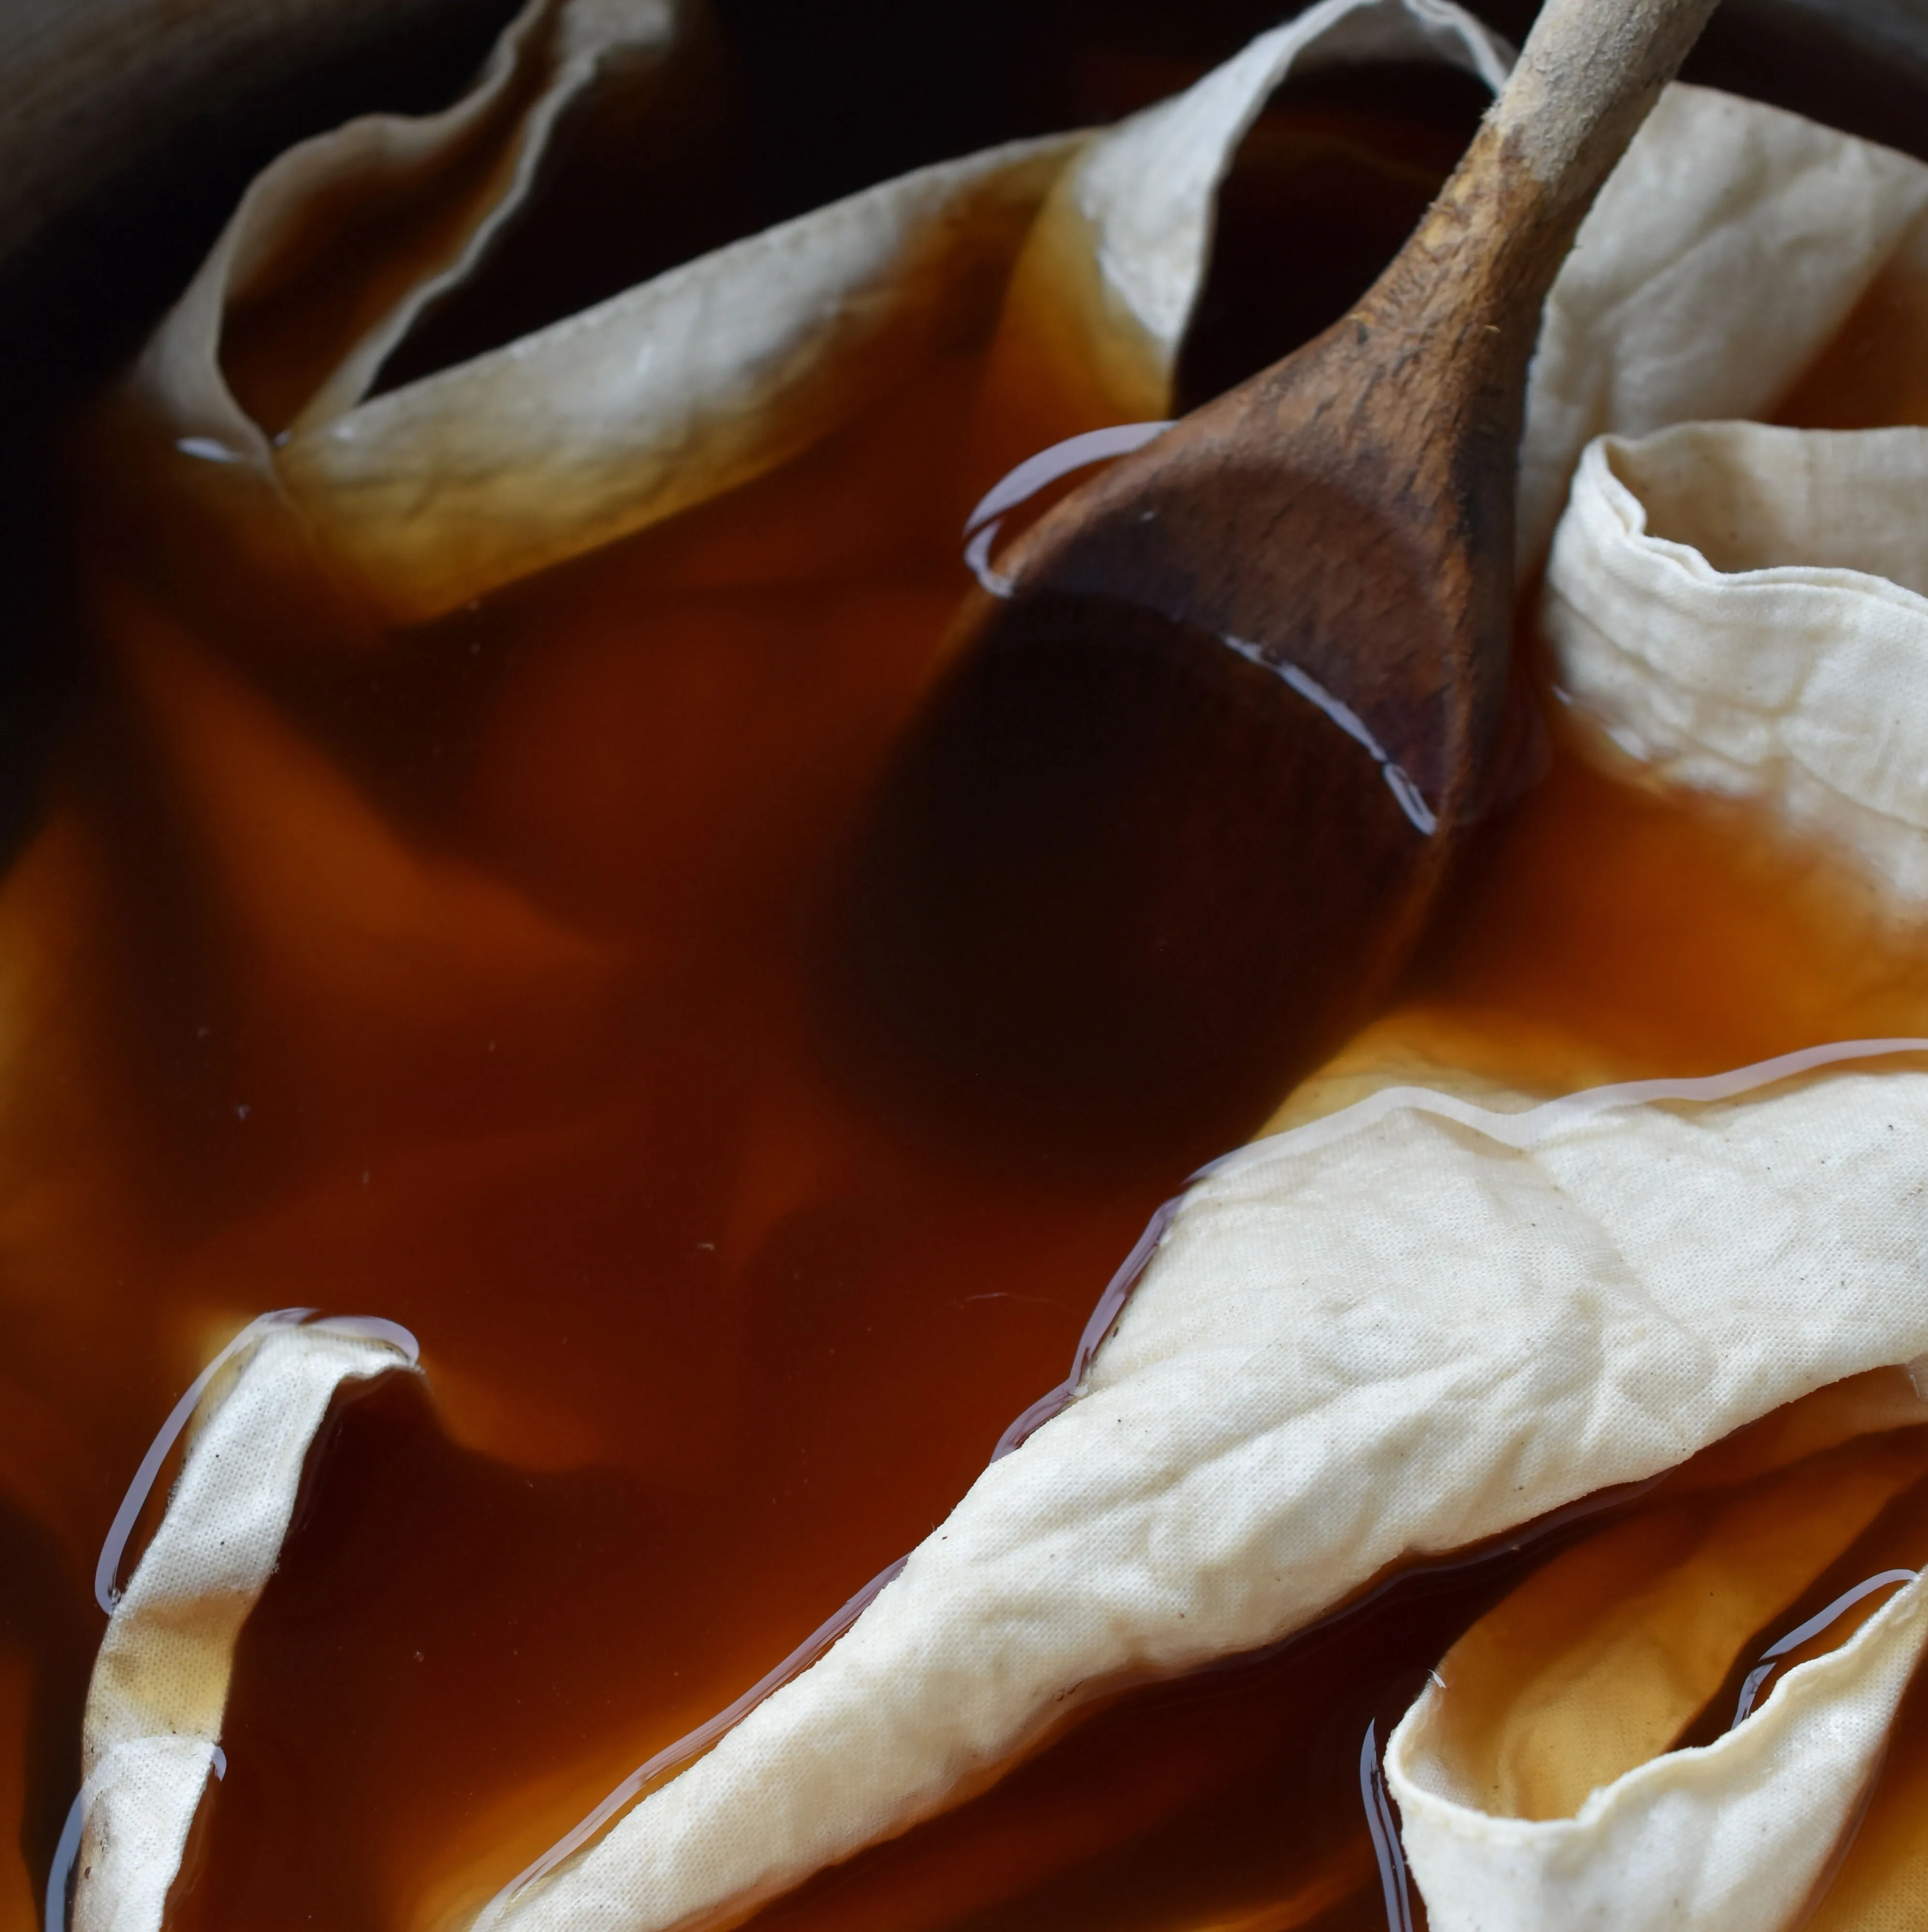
x=154, y=1708
x=1386, y=1334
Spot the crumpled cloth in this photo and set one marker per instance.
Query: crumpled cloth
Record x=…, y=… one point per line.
x=1413, y=1324
x=160, y=1684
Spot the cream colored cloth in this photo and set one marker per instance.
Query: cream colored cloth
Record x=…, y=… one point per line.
x=1400, y=1330
x=1744, y=609
x=1740, y=609
x=159, y=1685
x=416, y=500
x=1734, y=1833
x=1729, y=245
x=1148, y=190
x=1111, y=271
x=408, y=505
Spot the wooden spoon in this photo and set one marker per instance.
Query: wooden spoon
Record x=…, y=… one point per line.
x=1181, y=801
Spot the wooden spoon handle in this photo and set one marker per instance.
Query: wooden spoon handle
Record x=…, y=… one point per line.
x=1589, y=73
x=1470, y=284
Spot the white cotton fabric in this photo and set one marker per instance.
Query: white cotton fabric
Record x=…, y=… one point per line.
x=1149, y=189
x=159, y=1685
x=1406, y=1328
x=556, y=48
x=663, y=397
x=407, y=505
x=1740, y=609
x=1725, y=250
x=1744, y=609
x=1731, y=1838
x=417, y=500
x=1730, y=243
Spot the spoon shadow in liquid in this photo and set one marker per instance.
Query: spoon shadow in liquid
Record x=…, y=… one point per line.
x=1092, y=909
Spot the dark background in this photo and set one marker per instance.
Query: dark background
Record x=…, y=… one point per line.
x=132, y=128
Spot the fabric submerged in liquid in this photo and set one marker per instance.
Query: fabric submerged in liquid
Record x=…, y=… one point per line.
x=498, y=728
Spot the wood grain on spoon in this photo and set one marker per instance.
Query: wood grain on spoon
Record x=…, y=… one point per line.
x=1182, y=800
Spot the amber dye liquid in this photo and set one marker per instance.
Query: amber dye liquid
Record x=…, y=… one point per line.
x=475, y=982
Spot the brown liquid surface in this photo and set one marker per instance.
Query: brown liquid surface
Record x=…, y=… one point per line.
x=710, y=1338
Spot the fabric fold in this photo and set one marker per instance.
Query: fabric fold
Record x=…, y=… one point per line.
x=152, y=1729
x=1737, y=1833
x=1742, y=609
x=1411, y=1327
